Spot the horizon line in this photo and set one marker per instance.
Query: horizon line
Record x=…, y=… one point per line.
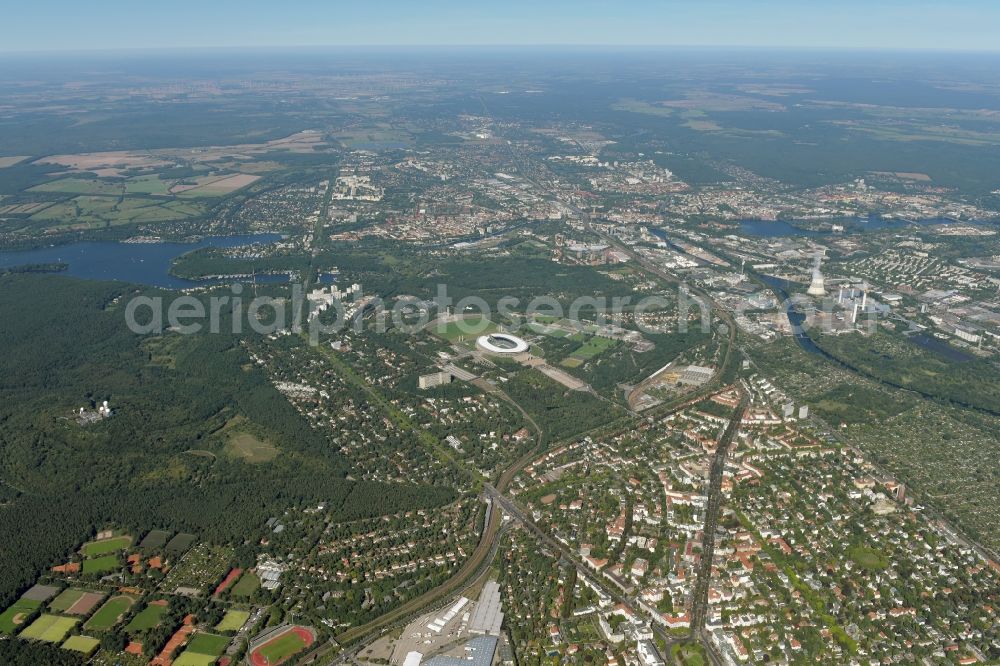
x=506, y=46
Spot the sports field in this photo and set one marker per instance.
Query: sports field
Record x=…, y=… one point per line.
x=202, y=650
x=147, y=618
x=246, y=586
x=211, y=644
x=99, y=565
x=179, y=544
x=106, y=546
x=41, y=592
x=76, y=602
x=84, y=644
x=155, y=540
x=466, y=329
x=279, y=649
x=110, y=613
x=50, y=628
x=233, y=620
x=13, y=617
x=189, y=658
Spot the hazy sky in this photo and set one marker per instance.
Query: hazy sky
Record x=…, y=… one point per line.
x=31, y=25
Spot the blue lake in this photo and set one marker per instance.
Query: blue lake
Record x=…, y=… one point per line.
x=141, y=263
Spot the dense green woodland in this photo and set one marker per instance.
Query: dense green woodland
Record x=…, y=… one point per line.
x=24, y=653
x=66, y=346
x=891, y=359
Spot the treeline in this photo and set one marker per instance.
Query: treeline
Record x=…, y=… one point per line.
x=34, y=268
x=207, y=262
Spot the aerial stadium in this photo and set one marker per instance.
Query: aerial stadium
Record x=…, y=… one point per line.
x=502, y=343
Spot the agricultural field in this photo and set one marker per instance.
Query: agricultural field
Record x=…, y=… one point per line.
x=233, y=620
x=84, y=644
x=151, y=185
x=13, y=617
x=11, y=160
x=375, y=136
x=148, y=617
x=80, y=186
x=50, y=628
x=89, y=211
x=106, y=546
x=76, y=602
x=99, y=565
x=214, y=186
x=110, y=613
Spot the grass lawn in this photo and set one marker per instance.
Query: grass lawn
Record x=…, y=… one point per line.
x=233, y=620
x=12, y=618
x=84, y=644
x=147, y=618
x=106, y=546
x=189, y=658
x=246, y=586
x=50, y=628
x=593, y=347
x=100, y=565
x=110, y=613
x=250, y=448
x=282, y=648
x=688, y=655
x=469, y=328
x=868, y=558
x=211, y=644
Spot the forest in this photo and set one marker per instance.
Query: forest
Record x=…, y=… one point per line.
x=67, y=346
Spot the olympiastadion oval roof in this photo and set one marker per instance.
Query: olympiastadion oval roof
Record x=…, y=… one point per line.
x=502, y=343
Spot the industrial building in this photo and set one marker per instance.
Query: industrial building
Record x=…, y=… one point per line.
x=695, y=375
x=479, y=652
x=487, y=616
